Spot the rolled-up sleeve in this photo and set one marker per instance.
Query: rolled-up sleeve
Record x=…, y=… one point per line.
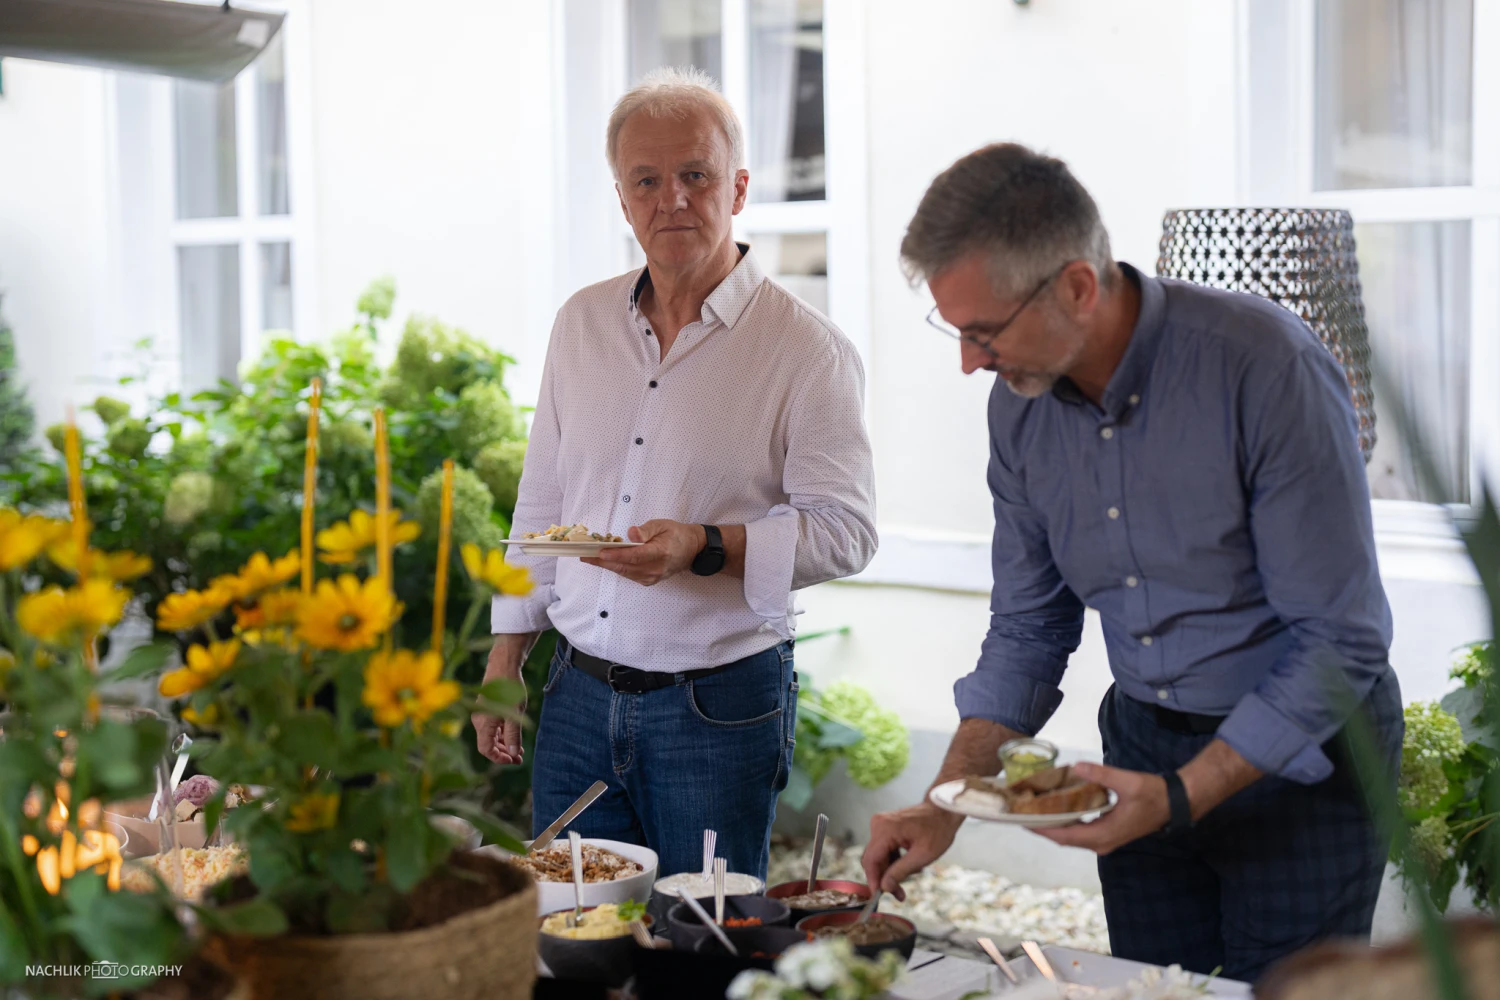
x=538, y=507
x=826, y=529
x=1035, y=619
x=1314, y=539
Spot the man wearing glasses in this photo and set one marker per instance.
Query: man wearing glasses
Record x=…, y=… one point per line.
x=1184, y=461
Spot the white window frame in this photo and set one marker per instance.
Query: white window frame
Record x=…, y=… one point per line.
x=150, y=230
x=843, y=216
x=1277, y=55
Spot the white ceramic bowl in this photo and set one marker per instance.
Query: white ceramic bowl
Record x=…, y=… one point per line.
x=554, y=896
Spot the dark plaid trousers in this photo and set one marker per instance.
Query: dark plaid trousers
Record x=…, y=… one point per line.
x=1274, y=868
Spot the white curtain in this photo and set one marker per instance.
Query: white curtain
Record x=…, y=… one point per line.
x=773, y=96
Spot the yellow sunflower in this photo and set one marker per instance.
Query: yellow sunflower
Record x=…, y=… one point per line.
x=188, y=610
x=406, y=685
x=205, y=719
x=54, y=614
x=260, y=573
x=347, y=615
x=24, y=536
x=275, y=607
x=314, y=811
x=122, y=566
x=345, y=540
x=490, y=568
x=204, y=664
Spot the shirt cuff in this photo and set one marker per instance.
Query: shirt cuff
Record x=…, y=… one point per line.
x=1258, y=732
x=770, y=558
x=1012, y=700
x=516, y=615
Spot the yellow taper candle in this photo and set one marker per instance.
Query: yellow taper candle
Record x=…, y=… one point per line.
x=310, y=484
x=445, y=542
x=77, y=505
x=382, y=501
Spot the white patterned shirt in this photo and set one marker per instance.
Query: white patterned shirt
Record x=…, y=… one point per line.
x=754, y=418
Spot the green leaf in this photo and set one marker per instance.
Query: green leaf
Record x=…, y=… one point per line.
x=798, y=791
x=834, y=735
x=346, y=869
x=503, y=691
x=258, y=917
x=14, y=954
x=495, y=832
x=406, y=850
x=310, y=739
x=143, y=660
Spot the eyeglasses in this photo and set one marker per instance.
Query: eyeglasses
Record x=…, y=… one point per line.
x=937, y=322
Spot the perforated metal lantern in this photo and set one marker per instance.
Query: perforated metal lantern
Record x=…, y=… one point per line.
x=1302, y=258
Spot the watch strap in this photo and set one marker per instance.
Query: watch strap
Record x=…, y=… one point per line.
x=1180, y=810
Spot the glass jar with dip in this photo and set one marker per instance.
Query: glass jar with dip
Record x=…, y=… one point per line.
x=1025, y=757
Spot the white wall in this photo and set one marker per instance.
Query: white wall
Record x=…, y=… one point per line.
x=55, y=273
x=433, y=156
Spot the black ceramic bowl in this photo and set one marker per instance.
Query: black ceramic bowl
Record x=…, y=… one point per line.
x=609, y=960
x=685, y=929
x=787, y=889
x=903, y=944
x=759, y=947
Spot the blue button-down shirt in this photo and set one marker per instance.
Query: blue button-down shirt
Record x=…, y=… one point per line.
x=1213, y=510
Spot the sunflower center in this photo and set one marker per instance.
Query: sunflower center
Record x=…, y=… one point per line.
x=348, y=621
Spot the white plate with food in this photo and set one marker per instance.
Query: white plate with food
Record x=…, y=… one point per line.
x=564, y=540
x=1055, y=797
x=613, y=872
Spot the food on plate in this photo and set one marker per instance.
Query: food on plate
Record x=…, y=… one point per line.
x=735, y=884
x=602, y=922
x=555, y=864
x=1055, y=790
x=194, y=793
x=876, y=930
x=823, y=899
x=570, y=533
x=202, y=868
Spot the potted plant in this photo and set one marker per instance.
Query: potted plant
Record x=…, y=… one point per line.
x=354, y=886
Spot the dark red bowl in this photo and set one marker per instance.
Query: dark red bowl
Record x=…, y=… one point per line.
x=787, y=889
x=903, y=944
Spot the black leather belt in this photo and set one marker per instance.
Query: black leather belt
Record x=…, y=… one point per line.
x=1187, y=723
x=629, y=680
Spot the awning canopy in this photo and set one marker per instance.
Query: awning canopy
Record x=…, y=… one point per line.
x=170, y=37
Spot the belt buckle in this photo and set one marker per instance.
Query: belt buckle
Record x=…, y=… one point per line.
x=617, y=681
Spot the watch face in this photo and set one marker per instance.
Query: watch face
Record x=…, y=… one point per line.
x=708, y=562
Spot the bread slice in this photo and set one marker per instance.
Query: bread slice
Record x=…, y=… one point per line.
x=1055, y=790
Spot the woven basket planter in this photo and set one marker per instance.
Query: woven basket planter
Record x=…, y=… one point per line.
x=482, y=954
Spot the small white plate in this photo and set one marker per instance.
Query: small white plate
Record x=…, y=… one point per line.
x=945, y=796
x=563, y=550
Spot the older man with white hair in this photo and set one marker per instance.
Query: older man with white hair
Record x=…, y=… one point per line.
x=698, y=407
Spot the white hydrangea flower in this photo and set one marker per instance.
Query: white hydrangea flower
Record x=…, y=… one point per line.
x=752, y=984
x=817, y=965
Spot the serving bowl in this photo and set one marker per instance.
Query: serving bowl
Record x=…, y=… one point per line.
x=842, y=918
x=685, y=929
x=554, y=896
x=603, y=960
x=788, y=889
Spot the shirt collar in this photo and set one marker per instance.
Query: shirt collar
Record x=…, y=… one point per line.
x=1126, y=384
x=728, y=301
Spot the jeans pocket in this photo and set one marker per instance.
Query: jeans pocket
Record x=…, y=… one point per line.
x=737, y=699
x=555, y=670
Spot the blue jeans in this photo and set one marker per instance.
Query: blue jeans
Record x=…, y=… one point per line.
x=712, y=753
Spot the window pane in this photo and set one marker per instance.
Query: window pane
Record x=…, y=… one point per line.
x=1394, y=93
x=1416, y=294
x=786, y=101
x=799, y=261
x=270, y=171
x=675, y=33
x=275, y=286
x=209, y=314
x=205, y=150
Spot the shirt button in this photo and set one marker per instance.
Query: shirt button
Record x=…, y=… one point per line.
x=648, y=333
x=1130, y=581
x=1163, y=694
x=1107, y=433
x=1134, y=400
x=1146, y=640
x=1113, y=512
x=604, y=614
x=626, y=498
x=640, y=440
x=653, y=383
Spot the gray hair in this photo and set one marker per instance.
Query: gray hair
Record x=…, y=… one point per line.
x=675, y=93
x=1023, y=209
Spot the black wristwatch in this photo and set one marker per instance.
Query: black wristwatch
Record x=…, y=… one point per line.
x=1181, y=810
x=712, y=558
